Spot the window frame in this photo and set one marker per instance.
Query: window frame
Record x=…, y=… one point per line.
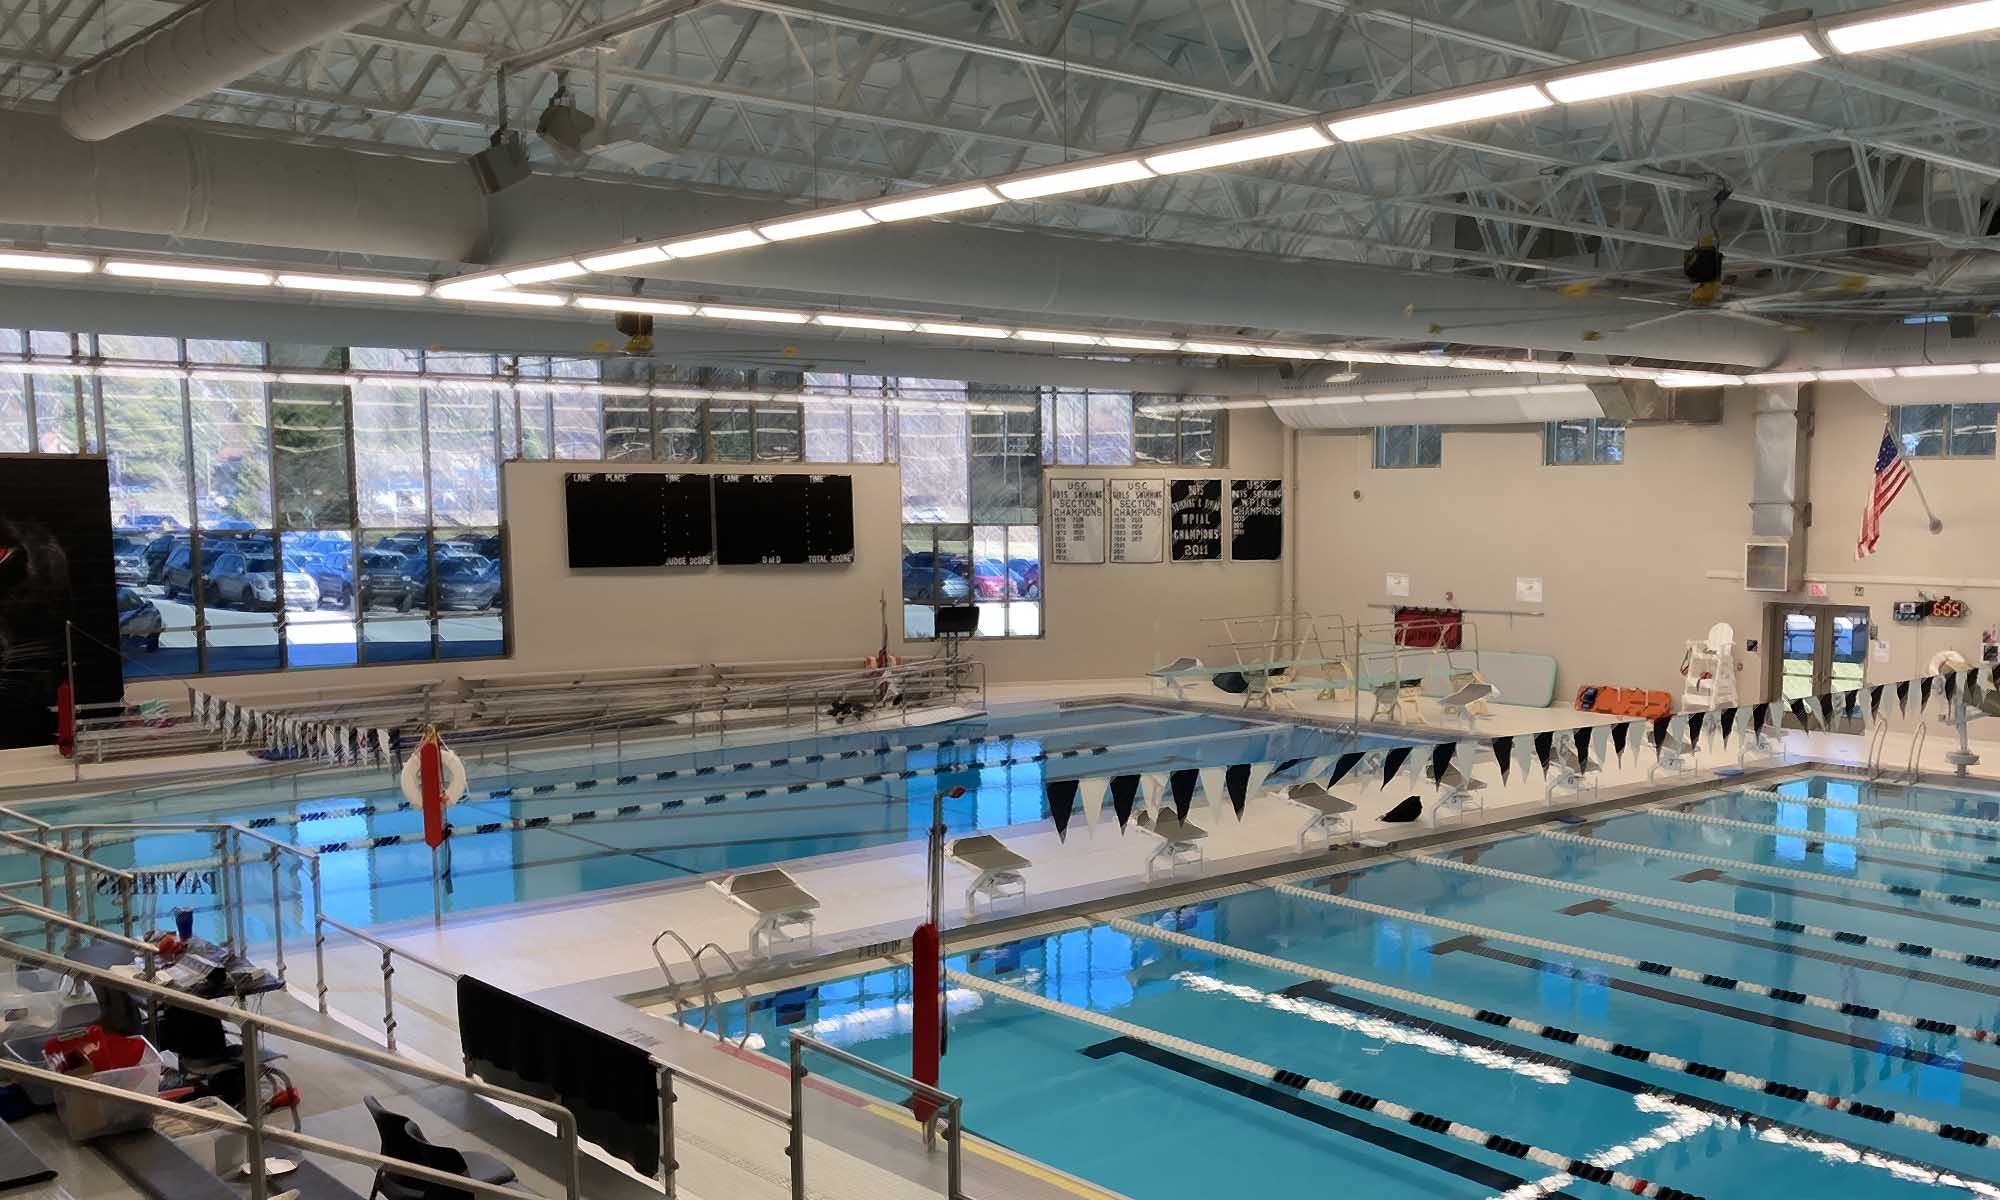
x=1379, y=439
x=1947, y=432
x=1595, y=444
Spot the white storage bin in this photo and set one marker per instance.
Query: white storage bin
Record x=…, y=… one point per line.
x=86, y=1115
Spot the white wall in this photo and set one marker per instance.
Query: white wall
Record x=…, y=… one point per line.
x=1638, y=558
x=1098, y=621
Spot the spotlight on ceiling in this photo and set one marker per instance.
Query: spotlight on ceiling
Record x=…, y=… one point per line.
x=502, y=164
x=565, y=127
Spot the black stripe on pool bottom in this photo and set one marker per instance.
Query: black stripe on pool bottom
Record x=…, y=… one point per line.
x=1315, y=990
x=1713, y=875
x=1294, y=1104
x=1917, y=974
x=1477, y=946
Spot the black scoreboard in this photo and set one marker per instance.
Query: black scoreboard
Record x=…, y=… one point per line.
x=638, y=519
x=650, y=519
x=784, y=519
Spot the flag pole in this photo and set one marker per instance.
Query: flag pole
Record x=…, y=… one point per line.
x=1936, y=525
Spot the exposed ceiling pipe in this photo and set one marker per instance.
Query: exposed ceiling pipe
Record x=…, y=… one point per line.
x=212, y=46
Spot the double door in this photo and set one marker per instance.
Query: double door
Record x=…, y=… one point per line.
x=1820, y=648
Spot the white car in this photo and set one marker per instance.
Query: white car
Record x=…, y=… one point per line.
x=252, y=581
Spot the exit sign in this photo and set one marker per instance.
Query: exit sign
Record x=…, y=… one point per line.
x=1816, y=590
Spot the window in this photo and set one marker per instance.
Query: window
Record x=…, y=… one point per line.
x=1087, y=428
x=1946, y=430
x=1583, y=441
x=1165, y=433
x=1408, y=445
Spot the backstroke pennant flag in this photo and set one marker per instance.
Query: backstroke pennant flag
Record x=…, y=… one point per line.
x=1972, y=687
x=1441, y=761
x=1092, y=794
x=1503, y=753
x=1241, y=780
x=1124, y=790
x=1619, y=733
x=1182, y=782
x=1923, y=694
x=1903, y=697
x=1345, y=764
x=1760, y=716
x=1392, y=762
x=1581, y=737
x=1826, y=711
x=1851, y=703
x=1799, y=710
x=1875, y=703
x=1545, y=744
x=1211, y=791
x=1727, y=723
x=1695, y=720
x=1950, y=681
x=1660, y=727
x=1062, y=802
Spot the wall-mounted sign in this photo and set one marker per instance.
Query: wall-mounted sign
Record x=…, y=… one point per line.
x=1138, y=520
x=1396, y=583
x=1076, y=520
x=1256, y=519
x=1197, y=520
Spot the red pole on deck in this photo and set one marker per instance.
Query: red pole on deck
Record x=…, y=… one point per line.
x=927, y=970
x=66, y=719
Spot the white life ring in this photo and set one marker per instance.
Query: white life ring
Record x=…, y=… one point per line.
x=451, y=772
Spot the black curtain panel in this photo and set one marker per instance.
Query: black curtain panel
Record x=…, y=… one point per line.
x=1393, y=761
x=1062, y=803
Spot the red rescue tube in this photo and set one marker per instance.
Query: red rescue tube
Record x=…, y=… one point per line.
x=432, y=767
x=66, y=720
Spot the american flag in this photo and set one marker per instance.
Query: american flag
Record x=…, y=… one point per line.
x=1891, y=473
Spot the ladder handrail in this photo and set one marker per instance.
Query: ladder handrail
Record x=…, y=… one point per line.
x=1877, y=742
x=711, y=1004
x=1911, y=769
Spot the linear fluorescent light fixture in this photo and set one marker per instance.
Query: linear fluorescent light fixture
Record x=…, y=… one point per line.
x=773, y=316
x=1228, y=151
x=1061, y=336
x=955, y=329
x=1867, y=35
x=510, y=296
x=28, y=260
x=1074, y=179
x=1214, y=348
x=547, y=271
x=713, y=243
x=351, y=285
x=1934, y=370
x=186, y=273
x=617, y=260
x=1846, y=373
x=1763, y=377
x=619, y=304
x=814, y=225
x=1433, y=114
x=886, y=324
x=1140, y=343
x=1302, y=353
x=932, y=204
x=1662, y=71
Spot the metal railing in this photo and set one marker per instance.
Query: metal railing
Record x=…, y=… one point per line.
x=711, y=1006
x=390, y=953
x=1913, y=769
x=1877, y=742
x=253, y=1027
x=946, y=1123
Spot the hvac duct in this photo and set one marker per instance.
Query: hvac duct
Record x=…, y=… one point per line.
x=1780, y=504
x=212, y=46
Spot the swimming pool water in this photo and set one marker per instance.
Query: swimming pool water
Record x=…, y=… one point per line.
x=1159, y=1125
x=389, y=883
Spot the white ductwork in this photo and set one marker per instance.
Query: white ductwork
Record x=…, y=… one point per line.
x=214, y=45
x=1471, y=400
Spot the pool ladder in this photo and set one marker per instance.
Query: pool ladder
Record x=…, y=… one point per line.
x=1878, y=744
x=711, y=1005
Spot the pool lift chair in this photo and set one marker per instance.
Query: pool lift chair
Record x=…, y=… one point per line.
x=783, y=910
x=1180, y=843
x=1567, y=776
x=999, y=870
x=1330, y=814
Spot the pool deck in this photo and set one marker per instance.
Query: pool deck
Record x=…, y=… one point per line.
x=589, y=955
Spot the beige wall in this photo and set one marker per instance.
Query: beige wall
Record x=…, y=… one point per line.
x=1099, y=621
x=1640, y=557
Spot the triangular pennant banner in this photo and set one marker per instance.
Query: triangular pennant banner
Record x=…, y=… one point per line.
x=1062, y=802
x=1619, y=733
x=1545, y=744
x=1903, y=698
x=1850, y=703
x=1923, y=694
x=1993, y=679
x=1343, y=766
x=1152, y=786
x=1092, y=795
x=1972, y=688
x=1392, y=762
x=1182, y=782
x=1695, y=721
x=1124, y=790
x=1799, y=710
x=1875, y=703
x=1582, y=739
x=1600, y=744
x=1760, y=716
x=1287, y=765
x=1236, y=781
x=1660, y=732
x=1211, y=791
x=1441, y=755
x=1727, y=724
x=1826, y=711
x=1503, y=753
x=1950, y=681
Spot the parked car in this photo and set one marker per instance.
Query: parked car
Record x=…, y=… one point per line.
x=405, y=544
x=156, y=521
x=158, y=551
x=463, y=584
x=989, y=578
x=254, y=581
x=381, y=577
x=331, y=573
x=1027, y=576
x=139, y=622
x=929, y=577
x=179, y=577
x=128, y=558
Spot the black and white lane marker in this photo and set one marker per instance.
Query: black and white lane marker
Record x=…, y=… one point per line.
x=1581, y=1168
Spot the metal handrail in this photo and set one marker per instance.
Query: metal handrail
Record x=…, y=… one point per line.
x=711, y=1005
x=1912, y=770
x=946, y=1105
x=389, y=955
x=1877, y=742
x=253, y=1024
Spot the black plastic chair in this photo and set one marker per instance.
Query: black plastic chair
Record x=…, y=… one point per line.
x=402, y=1138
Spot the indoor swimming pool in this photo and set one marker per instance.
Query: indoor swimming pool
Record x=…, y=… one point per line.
x=705, y=811
x=1729, y=994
